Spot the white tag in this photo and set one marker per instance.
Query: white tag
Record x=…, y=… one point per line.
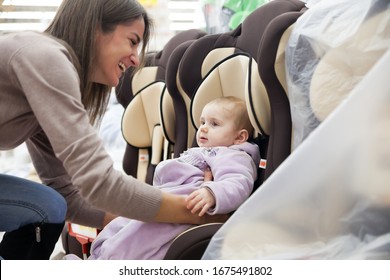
x=263, y=163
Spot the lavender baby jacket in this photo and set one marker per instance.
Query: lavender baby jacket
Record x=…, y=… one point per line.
x=234, y=170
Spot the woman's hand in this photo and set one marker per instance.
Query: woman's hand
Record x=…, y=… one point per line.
x=108, y=217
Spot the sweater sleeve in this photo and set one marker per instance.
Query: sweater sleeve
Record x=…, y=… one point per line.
x=51, y=86
x=234, y=174
x=55, y=176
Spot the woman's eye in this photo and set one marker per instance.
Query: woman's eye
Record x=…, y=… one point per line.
x=133, y=42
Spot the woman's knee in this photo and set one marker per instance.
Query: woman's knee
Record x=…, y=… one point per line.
x=56, y=208
x=29, y=202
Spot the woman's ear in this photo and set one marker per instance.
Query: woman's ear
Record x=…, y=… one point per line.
x=242, y=137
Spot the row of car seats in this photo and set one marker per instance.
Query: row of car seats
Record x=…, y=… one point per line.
x=164, y=99
x=248, y=62
x=218, y=64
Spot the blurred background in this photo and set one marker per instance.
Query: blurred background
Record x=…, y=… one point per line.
x=170, y=16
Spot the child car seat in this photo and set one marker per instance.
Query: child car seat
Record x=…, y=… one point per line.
x=192, y=243
x=271, y=68
x=205, y=52
x=234, y=73
x=180, y=125
x=125, y=92
x=141, y=120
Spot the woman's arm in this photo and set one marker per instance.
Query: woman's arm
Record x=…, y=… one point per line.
x=52, y=173
x=173, y=209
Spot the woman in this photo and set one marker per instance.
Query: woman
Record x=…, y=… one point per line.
x=54, y=86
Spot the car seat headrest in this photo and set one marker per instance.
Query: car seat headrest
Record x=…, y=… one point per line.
x=256, y=23
x=229, y=77
x=128, y=86
x=180, y=100
x=169, y=47
x=141, y=115
x=245, y=38
x=226, y=78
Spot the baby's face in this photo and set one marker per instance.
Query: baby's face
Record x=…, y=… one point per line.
x=217, y=127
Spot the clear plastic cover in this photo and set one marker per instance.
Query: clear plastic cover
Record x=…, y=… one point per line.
x=331, y=198
x=333, y=45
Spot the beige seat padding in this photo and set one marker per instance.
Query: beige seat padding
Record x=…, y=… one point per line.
x=343, y=67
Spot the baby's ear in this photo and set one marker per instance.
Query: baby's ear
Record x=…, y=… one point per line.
x=242, y=137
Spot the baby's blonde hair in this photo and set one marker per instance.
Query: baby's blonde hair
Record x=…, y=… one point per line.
x=237, y=108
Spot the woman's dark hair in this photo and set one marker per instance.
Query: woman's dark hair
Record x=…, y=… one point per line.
x=76, y=22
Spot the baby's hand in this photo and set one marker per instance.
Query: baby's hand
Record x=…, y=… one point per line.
x=200, y=200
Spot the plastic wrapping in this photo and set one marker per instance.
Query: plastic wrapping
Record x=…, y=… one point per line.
x=331, y=198
x=333, y=45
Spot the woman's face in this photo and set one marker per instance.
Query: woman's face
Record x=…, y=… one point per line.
x=116, y=51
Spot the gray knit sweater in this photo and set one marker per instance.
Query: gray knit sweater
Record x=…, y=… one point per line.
x=40, y=104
